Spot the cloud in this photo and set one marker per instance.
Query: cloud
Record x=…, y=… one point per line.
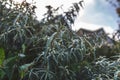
x=91, y=17
x=55, y=3
x=91, y=2
x=98, y=12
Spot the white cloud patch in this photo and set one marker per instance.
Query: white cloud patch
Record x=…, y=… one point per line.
x=91, y=2
x=55, y=3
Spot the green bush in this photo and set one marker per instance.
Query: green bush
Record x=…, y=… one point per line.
x=48, y=49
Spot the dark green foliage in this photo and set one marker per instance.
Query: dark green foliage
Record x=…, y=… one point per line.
x=49, y=49
x=37, y=50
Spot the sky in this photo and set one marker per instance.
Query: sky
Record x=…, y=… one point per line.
x=96, y=13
